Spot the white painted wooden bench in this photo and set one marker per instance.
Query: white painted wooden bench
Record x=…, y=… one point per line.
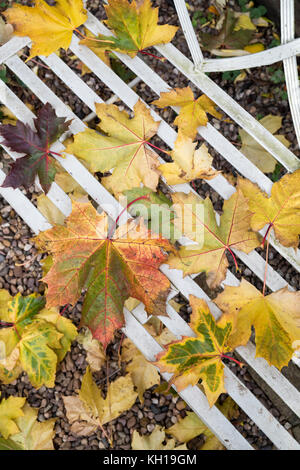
x=195, y=72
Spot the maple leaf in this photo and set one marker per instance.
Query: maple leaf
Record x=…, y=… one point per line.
x=89, y=410
x=275, y=317
x=109, y=268
x=188, y=163
x=192, y=359
x=155, y=441
x=280, y=211
x=191, y=426
x=227, y=37
x=255, y=152
x=10, y=409
x=34, y=338
x=197, y=221
x=124, y=147
x=36, y=144
x=144, y=375
x=49, y=27
x=193, y=112
x=32, y=435
x=135, y=26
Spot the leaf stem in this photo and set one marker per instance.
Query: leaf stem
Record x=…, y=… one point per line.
x=234, y=258
x=266, y=234
x=113, y=227
x=5, y=323
x=232, y=359
x=162, y=59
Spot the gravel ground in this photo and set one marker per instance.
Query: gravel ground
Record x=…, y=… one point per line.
x=20, y=268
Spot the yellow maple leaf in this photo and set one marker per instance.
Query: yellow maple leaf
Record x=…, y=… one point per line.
x=34, y=435
x=90, y=410
x=49, y=27
x=124, y=148
x=10, y=409
x=275, y=317
x=135, y=27
x=188, y=164
x=280, y=211
x=193, y=112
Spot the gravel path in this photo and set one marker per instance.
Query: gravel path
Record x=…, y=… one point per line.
x=20, y=268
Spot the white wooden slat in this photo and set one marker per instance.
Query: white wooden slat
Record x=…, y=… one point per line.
x=287, y=17
x=240, y=394
x=193, y=396
x=16, y=199
x=213, y=137
x=248, y=61
x=189, y=33
x=231, y=107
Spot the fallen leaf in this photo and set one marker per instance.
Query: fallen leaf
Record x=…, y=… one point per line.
x=50, y=210
x=154, y=441
x=275, y=317
x=188, y=163
x=33, y=435
x=255, y=152
x=35, y=339
x=135, y=27
x=123, y=149
x=197, y=220
x=192, y=359
x=253, y=48
x=49, y=27
x=90, y=410
x=227, y=37
x=144, y=375
x=35, y=144
x=109, y=269
x=10, y=409
x=280, y=210
x=95, y=355
x=191, y=426
x=193, y=112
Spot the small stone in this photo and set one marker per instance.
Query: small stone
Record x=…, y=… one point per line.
x=131, y=422
x=180, y=405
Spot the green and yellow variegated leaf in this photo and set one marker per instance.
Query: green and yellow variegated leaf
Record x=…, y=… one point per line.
x=33, y=340
x=36, y=353
x=192, y=359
